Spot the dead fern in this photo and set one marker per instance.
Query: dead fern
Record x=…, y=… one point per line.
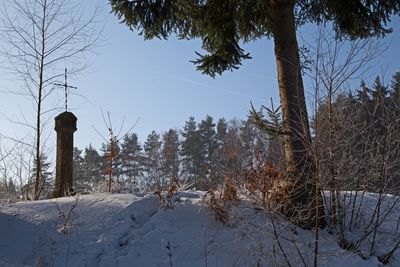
x=266, y=184
x=220, y=199
x=218, y=207
x=230, y=190
x=166, y=197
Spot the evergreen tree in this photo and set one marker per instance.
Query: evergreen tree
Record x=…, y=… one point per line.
x=364, y=103
x=152, y=161
x=395, y=91
x=380, y=112
x=92, y=166
x=132, y=158
x=363, y=93
x=170, y=155
x=248, y=138
x=271, y=126
x=81, y=182
x=394, y=107
x=394, y=100
x=222, y=127
x=192, y=153
x=44, y=176
x=379, y=93
x=220, y=158
x=208, y=140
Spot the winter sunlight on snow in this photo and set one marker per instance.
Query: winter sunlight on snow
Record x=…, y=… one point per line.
x=208, y=133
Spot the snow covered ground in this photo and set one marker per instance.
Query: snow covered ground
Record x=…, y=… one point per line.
x=129, y=230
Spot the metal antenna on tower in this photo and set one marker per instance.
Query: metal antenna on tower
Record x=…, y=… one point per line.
x=66, y=87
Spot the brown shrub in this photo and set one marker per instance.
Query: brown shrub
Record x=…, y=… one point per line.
x=266, y=184
x=220, y=199
x=166, y=199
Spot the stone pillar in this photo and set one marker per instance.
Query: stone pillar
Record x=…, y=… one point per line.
x=65, y=126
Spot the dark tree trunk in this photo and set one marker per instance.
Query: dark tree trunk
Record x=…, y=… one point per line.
x=299, y=163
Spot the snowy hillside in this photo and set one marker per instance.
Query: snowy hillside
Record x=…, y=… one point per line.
x=128, y=230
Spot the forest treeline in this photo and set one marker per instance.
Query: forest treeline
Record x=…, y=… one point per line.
x=200, y=155
x=356, y=142
x=357, y=138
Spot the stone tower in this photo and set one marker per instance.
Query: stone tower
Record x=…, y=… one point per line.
x=65, y=126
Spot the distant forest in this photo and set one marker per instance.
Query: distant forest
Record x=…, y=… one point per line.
x=353, y=136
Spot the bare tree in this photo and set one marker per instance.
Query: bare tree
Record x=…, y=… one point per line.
x=336, y=62
x=5, y=179
x=41, y=37
x=112, y=152
x=355, y=143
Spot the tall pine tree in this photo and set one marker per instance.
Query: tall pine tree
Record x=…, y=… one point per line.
x=81, y=182
x=170, y=156
x=92, y=166
x=152, y=162
x=131, y=161
x=208, y=140
x=192, y=153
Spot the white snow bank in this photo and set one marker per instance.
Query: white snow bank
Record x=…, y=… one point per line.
x=127, y=230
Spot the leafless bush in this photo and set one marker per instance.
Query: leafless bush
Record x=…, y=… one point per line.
x=67, y=216
x=355, y=145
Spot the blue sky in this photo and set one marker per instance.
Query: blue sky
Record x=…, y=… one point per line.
x=153, y=81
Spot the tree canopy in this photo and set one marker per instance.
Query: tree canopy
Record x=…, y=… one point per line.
x=224, y=25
